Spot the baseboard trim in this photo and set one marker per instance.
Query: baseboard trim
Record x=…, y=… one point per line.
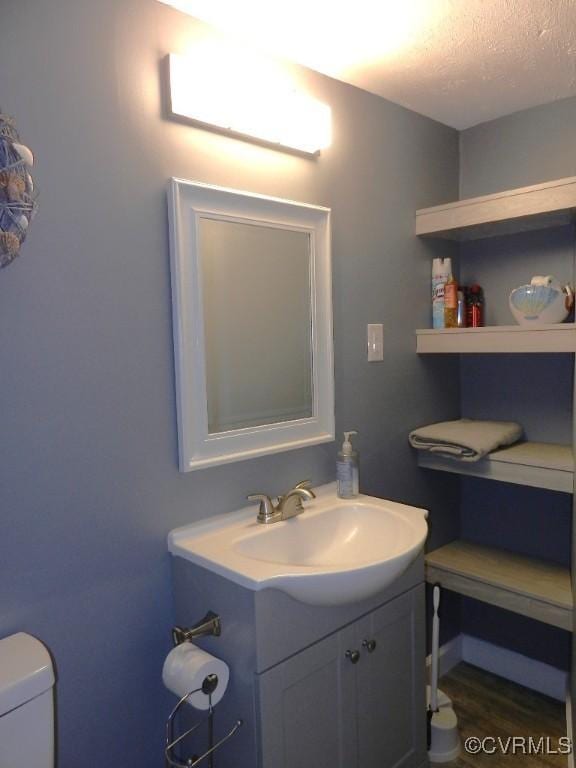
x=510, y=665
x=449, y=655
x=513, y=666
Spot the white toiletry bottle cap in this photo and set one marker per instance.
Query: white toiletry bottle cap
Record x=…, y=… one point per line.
x=347, y=449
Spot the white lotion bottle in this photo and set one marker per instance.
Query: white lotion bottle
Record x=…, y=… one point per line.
x=347, y=469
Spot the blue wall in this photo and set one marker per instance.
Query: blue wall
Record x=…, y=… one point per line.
x=88, y=469
x=528, y=147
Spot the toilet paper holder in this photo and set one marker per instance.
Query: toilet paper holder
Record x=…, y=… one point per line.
x=209, y=625
x=208, y=687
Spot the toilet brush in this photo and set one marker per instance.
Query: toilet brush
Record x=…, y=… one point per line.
x=443, y=736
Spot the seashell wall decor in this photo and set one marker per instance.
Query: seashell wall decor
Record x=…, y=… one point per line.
x=17, y=200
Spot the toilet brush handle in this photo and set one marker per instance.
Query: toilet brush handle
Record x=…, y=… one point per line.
x=435, y=644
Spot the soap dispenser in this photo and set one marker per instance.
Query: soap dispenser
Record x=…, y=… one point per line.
x=347, y=469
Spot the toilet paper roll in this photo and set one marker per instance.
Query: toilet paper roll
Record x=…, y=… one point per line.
x=186, y=668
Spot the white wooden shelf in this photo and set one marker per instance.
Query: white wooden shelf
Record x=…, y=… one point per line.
x=539, y=206
x=524, y=585
x=497, y=339
x=539, y=465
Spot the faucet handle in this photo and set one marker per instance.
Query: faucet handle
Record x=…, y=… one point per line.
x=306, y=486
x=267, y=510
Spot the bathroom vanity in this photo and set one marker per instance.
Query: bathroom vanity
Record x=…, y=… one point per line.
x=303, y=679
x=338, y=685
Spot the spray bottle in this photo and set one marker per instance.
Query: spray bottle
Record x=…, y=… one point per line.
x=441, y=270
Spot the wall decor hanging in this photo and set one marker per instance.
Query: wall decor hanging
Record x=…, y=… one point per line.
x=17, y=200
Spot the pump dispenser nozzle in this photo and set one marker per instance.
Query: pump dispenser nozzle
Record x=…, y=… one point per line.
x=347, y=449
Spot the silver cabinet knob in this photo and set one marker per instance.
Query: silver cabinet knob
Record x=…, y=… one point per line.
x=354, y=656
x=370, y=645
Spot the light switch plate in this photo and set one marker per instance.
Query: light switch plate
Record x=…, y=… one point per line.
x=375, y=337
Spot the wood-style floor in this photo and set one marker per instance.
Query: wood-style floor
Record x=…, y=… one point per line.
x=487, y=705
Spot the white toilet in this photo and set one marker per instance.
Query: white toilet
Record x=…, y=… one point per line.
x=26, y=703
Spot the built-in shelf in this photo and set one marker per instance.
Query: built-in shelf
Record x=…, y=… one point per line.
x=498, y=339
x=524, y=585
x=539, y=465
x=517, y=210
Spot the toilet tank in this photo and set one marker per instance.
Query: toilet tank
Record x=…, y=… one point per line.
x=26, y=703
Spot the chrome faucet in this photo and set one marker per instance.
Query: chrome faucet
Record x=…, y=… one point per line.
x=287, y=506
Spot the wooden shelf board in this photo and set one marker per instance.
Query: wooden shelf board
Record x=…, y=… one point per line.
x=538, y=206
x=539, y=465
x=498, y=339
x=530, y=587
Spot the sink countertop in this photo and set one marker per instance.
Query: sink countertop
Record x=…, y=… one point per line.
x=337, y=550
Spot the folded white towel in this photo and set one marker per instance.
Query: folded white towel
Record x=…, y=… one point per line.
x=465, y=439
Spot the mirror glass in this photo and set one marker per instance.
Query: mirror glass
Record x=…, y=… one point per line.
x=256, y=297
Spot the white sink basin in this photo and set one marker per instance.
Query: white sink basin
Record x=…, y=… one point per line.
x=336, y=552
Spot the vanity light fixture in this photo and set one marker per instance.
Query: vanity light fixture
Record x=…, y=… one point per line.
x=247, y=100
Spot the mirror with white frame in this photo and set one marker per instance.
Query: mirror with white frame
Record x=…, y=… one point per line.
x=252, y=317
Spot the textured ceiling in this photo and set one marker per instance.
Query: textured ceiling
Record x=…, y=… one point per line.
x=461, y=62
x=483, y=59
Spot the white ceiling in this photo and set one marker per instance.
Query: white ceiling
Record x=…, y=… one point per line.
x=461, y=62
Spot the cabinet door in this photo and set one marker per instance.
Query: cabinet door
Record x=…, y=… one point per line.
x=307, y=708
x=391, y=684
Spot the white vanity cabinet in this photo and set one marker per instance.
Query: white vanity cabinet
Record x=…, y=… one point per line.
x=354, y=700
x=316, y=687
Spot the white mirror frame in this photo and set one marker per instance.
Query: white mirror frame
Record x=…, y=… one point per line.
x=187, y=202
